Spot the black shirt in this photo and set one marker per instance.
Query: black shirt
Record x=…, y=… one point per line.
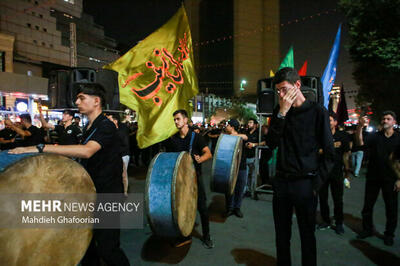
x=7, y=134
x=379, y=148
x=253, y=138
x=69, y=135
x=35, y=138
x=123, y=135
x=341, y=143
x=105, y=166
x=299, y=136
x=178, y=144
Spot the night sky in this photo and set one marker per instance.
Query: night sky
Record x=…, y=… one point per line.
x=129, y=21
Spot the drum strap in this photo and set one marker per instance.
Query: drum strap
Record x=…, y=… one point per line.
x=88, y=138
x=191, y=142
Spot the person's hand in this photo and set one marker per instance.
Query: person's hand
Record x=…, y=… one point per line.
x=39, y=107
x=286, y=102
x=250, y=145
x=397, y=186
x=20, y=150
x=197, y=158
x=363, y=121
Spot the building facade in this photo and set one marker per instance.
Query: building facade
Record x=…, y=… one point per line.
x=234, y=41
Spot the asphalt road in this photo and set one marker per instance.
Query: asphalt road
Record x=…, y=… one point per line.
x=251, y=240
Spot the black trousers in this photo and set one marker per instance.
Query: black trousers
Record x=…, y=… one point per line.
x=105, y=245
x=300, y=196
x=202, y=206
x=336, y=185
x=372, y=188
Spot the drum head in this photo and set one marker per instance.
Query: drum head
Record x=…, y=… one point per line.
x=44, y=173
x=226, y=163
x=185, y=196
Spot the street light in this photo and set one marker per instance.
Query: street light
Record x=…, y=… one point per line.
x=242, y=83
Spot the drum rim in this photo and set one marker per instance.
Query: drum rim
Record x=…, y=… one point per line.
x=238, y=141
x=238, y=146
x=146, y=196
x=173, y=190
x=24, y=156
x=214, y=161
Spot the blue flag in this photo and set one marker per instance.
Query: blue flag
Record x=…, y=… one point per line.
x=328, y=78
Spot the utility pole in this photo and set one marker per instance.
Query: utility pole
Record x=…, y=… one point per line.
x=72, y=45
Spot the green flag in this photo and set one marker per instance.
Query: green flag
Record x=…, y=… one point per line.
x=288, y=61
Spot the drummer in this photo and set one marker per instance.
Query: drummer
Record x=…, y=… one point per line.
x=234, y=202
x=101, y=158
x=188, y=140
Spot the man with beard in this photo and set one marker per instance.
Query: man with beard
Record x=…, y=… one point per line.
x=380, y=175
x=187, y=140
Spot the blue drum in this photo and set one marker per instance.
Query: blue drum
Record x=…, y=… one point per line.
x=45, y=174
x=171, y=194
x=226, y=162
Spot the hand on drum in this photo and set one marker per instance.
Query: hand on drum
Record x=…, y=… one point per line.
x=19, y=150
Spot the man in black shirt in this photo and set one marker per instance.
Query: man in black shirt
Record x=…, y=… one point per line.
x=102, y=160
x=299, y=128
x=380, y=174
x=250, y=152
x=335, y=179
x=7, y=138
x=200, y=153
x=123, y=135
x=31, y=134
x=68, y=133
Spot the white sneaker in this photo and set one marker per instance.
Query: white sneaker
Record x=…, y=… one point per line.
x=346, y=183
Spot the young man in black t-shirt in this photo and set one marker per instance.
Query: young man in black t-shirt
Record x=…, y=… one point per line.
x=68, y=133
x=102, y=160
x=335, y=179
x=200, y=153
x=31, y=134
x=380, y=174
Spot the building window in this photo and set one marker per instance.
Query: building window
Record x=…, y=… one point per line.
x=44, y=29
x=34, y=41
x=28, y=24
x=40, y=15
x=36, y=3
x=37, y=27
x=51, y=45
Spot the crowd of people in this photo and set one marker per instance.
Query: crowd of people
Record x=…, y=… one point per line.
x=313, y=156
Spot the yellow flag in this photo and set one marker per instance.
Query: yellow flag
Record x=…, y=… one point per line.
x=157, y=77
x=271, y=74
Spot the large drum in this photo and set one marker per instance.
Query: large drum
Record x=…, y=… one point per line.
x=171, y=194
x=226, y=162
x=43, y=173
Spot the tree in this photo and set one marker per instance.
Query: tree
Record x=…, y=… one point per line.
x=375, y=51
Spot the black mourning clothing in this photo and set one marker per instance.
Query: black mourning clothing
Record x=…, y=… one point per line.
x=299, y=136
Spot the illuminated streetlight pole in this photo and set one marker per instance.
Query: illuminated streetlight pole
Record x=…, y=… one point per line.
x=243, y=82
